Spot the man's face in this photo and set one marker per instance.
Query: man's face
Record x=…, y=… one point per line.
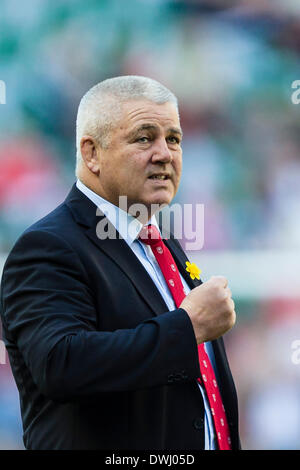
x=144, y=145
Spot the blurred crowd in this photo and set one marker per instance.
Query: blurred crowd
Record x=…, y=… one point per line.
x=231, y=65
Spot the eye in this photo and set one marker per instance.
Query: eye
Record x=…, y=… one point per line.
x=173, y=140
x=143, y=140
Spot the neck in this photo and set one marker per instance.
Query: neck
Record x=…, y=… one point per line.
x=144, y=215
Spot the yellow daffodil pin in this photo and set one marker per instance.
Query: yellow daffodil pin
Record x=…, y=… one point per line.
x=193, y=269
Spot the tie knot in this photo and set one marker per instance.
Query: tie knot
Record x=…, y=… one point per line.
x=149, y=235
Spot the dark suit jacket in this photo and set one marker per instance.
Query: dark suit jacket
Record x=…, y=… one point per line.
x=99, y=361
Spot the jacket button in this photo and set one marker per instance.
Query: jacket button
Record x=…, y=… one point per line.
x=198, y=423
x=170, y=378
x=178, y=376
x=183, y=375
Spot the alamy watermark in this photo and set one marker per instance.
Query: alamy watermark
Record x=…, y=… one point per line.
x=295, y=356
x=188, y=221
x=2, y=352
x=295, y=97
x=2, y=92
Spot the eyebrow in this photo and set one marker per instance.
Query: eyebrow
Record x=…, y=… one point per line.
x=152, y=127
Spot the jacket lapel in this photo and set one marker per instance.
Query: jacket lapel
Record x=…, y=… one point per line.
x=122, y=255
x=87, y=215
x=180, y=259
x=84, y=212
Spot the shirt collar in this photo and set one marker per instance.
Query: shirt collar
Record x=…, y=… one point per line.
x=128, y=226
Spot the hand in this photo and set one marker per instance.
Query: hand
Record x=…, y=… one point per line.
x=210, y=308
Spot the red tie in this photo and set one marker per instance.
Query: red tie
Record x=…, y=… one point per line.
x=151, y=236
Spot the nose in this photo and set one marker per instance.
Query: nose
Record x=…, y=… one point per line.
x=161, y=152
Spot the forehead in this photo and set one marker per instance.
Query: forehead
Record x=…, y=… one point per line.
x=136, y=113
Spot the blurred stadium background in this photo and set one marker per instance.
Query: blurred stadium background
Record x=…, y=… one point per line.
x=231, y=64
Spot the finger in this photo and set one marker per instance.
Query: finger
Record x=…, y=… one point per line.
x=233, y=317
x=228, y=292
x=220, y=280
x=231, y=304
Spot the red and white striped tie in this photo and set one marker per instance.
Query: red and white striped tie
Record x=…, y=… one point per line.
x=151, y=236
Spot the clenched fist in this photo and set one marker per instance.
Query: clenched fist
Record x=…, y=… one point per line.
x=210, y=308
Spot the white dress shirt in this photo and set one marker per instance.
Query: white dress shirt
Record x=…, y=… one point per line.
x=129, y=228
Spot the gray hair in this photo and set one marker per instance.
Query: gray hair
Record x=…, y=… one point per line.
x=100, y=108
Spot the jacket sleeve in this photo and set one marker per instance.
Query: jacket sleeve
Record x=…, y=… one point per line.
x=49, y=313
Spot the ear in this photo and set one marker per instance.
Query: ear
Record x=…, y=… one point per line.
x=90, y=153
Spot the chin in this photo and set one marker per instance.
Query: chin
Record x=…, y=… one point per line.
x=161, y=198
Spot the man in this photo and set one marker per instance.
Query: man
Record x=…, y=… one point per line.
x=106, y=351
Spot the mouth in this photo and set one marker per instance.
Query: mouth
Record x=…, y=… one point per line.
x=159, y=177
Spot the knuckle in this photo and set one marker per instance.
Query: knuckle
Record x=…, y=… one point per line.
x=230, y=317
x=228, y=291
x=219, y=279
